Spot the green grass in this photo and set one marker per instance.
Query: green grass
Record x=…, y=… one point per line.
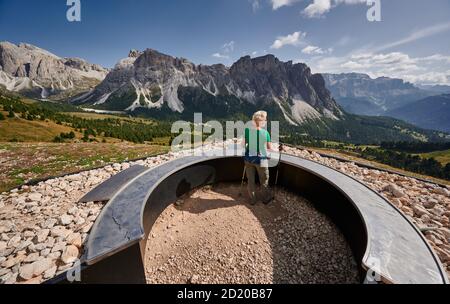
x=25, y=130
x=29, y=161
x=441, y=156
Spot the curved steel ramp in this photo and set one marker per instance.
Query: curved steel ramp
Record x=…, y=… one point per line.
x=388, y=242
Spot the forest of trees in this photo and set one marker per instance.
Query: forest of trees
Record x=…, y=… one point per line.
x=416, y=147
x=413, y=163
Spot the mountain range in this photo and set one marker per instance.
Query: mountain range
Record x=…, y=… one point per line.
x=38, y=73
x=360, y=94
x=421, y=105
x=152, y=80
x=157, y=85
x=430, y=113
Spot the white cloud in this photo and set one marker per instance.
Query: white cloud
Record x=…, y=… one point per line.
x=276, y=4
x=434, y=69
x=317, y=8
x=320, y=7
x=220, y=56
x=418, y=34
x=293, y=39
x=255, y=5
x=226, y=49
x=315, y=50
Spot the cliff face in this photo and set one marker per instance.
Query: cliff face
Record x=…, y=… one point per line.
x=33, y=71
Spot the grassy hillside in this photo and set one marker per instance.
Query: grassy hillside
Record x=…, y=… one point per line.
x=25, y=120
x=441, y=156
x=19, y=129
x=22, y=162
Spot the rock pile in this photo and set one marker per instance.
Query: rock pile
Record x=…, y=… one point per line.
x=427, y=205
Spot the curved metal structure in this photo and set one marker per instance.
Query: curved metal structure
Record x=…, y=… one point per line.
x=381, y=237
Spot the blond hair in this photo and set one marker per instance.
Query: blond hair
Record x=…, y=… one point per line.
x=260, y=115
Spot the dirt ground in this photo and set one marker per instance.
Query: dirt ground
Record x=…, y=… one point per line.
x=212, y=235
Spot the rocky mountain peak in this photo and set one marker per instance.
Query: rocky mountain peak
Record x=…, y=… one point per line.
x=134, y=53
x=38, y=73
x=154, y=79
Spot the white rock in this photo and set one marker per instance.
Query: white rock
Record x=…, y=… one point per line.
x=73, y=211
x=50, y=223
x=33, y=257
x=42, y=265
x=430, y=203
x=65, y=219
x=50, y=273
x=60, y=246
x=395, y=190
x=446, y=233
x=59, y=231
x=419, y=210
x=54, y=255
x=14, y=241
x=70, y=255
x=440, y=191
x=41, y=236
x=10, y=278
x=36, y=197
x=45, y=252
x=26, y=271
x=74, y=239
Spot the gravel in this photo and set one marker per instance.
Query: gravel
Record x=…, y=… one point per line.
x=214, y=236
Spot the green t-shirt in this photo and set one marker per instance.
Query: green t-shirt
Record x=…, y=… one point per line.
x=256, y=142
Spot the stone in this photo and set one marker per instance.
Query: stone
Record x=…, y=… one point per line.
x=34, y=281
x=59, y=231
x=446, y=233
x=4, y=271
x=430, y=203
x=6, y=252
x=9, y=278
x=437, y=210
x=14, y=241
x=41, y=236
x=28, y=234
x=194, y=279
x=35, y=196
x=9, y=263
x=419, y=210
x=70, y=254
x=65, y=219
x=45, y=252
x=54, y=255
x=23, y=245
x=42, y=265
x=73, y=211
x=26, y=271
x=50, y=223
x=3, y=245
x=395, y=190
x=33, y=257
x=50, y=273
x=60, y=246
x=74, y=239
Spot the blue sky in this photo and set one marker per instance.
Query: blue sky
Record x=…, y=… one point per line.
x=412, y=41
